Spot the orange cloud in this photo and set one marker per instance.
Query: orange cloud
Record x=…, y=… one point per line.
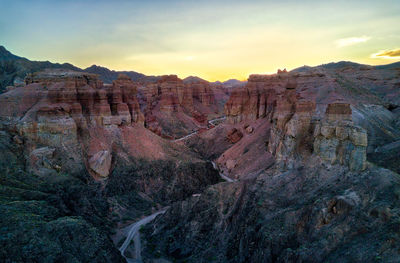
x=389, y=54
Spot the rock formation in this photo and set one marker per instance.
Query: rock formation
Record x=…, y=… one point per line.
x=297, y=122
x=66, y=111
x=338, y=140
x=296, y=144
x=234, y=135
x=256, y=99
x=174, y=108
x=319, y=200
x=289, y=137
x=335, y=139
x=123, y=87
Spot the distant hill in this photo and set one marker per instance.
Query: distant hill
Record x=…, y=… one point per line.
x=107, y=75
x=341, y=64
x=233, y=82
x=345, y=64
x=394, y=65
x=13, y=69
x=7, y=55
x=193, y=79
x=301, y=69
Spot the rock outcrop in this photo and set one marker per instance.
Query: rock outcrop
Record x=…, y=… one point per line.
x=124, y=100
x=66, y=111
x=171, y=94
x=234, y=135
x=174, y=108
x=309, y=214
x=290, y=133
x=100, y=163
x=202, y=92
x=300, y=125
x=335, y=139
x=257, y=98
x=338, y=140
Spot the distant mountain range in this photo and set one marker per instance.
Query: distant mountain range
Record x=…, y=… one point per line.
x=107, y=75
x=345, y=64
x=13, y=70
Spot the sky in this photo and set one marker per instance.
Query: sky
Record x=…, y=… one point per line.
x=215, y=40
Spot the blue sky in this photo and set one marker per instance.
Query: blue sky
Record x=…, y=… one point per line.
x=211, y=39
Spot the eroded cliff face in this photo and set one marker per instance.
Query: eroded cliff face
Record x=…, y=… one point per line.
x=70, y=122
x=76, y=161
x=319, y=200
x=260, y=97
x=335, y=138
x=309, y=214
x=338, y=140
x=303, y=122
x=174, y=108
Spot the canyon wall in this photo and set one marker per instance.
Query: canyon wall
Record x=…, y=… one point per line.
x=303, y=122
x=69, y=121
x=174, y=108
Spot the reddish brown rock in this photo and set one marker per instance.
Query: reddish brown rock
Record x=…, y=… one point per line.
x=338, y=111
x=200, y=118
x=256, y=100
x=128, y=90
x=177, y=107
x=202, y=92
x=58, y=109
x=234, y=135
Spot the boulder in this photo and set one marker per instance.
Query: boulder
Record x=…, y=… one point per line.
x=100, y=163
x=234, y=135
x=249, y=129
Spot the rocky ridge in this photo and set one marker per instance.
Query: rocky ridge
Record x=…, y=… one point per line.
x=297, y=143
x=320, y=200
x=80, y=121
x=174, y=108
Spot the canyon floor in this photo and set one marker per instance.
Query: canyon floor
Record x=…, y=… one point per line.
x=299, y=166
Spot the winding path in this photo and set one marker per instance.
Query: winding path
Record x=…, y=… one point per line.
x=226, y=178
x=217, y=119
x=186, y=136
x=195, y=132
x=134, y=233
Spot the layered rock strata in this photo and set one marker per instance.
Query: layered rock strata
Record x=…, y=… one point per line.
x=257, y=99
x=335, y=138
x=338, y=140
x=66, y=111
x=297, y=119
x=174, y=108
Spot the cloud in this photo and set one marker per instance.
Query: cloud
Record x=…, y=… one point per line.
x=388, y=54
x=344, y=42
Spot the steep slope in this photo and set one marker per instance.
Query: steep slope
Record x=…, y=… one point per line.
x=174, y=108
x=77, y=162
x=309, y=214
x=316, y=198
